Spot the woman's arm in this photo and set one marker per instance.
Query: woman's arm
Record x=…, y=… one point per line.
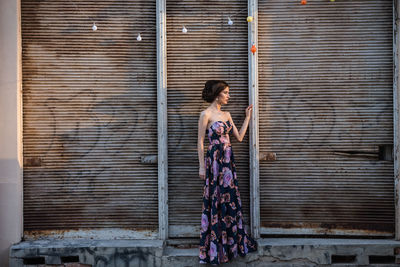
x=240, y=134
x=203, y=121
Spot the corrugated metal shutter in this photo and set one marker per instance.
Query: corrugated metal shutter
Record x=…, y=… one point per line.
x=326, y=110
x=214, y=50
x=90, y=115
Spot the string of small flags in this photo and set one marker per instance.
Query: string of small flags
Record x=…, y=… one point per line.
x=139, y=38
x=194, y=27
x=184, y=29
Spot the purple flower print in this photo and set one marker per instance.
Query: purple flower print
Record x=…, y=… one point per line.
x=226, y=198
x=239, y=238
x=222, y=216
x=220, y=130
x=221, y=254
x=227, y=178
x=227, y=155
x=224, y=256
x=213, y=235
x=223, y=140
x=224, y=169
x=221, y=181
x=216, y=193
x=234, y=250
x=230, y=129
x=215, y=168
x=206, y=192
x=228, y=221
x=232, y=184
x=213, y=251
x=214, y=219
x=234, y=229
x=224, y=237
x=214, y=155
x=215, y=142
x=202, y=255
x=240, y=225
x=204, y=222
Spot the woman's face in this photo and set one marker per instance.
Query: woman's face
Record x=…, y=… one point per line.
x=223, y=96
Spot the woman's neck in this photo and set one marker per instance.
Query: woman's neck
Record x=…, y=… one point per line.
x=216, y=106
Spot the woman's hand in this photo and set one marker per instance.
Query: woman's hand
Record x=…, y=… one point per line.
x=202, y=173
x=249, y=111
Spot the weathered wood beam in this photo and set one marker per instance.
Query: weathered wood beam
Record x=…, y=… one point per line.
x=162, y=123
x=254, y=126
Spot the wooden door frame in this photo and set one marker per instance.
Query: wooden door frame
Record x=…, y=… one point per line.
x=162, y=118
x=254, y=149
x=254, y=122
x=396, y=105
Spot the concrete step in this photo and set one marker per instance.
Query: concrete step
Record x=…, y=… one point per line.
x=285, y=252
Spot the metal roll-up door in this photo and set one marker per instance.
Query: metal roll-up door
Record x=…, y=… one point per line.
x=89, y=115
x=326, y=110
x=213, y=50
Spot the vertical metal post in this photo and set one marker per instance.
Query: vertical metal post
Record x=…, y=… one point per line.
x=254, y=125
x=162, y=125
x=396, y=105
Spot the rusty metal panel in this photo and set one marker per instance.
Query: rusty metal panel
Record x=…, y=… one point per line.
x=213, y=50
x=90, y=115
x=326, y=110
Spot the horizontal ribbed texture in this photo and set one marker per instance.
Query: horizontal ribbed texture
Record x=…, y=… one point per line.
x=90, y=115
x=325, y=107
x=211, y=51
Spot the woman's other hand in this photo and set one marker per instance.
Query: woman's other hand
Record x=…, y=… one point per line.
x=249, y=111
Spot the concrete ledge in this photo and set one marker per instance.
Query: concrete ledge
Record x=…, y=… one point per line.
x=90, y=252
x=272, y=252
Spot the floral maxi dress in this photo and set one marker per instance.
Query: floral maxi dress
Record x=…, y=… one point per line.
x=222, y=234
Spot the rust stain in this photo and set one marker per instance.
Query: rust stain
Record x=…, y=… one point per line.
x=324, y=228
x=60, y=233
x=32, y=162
x=185, y=245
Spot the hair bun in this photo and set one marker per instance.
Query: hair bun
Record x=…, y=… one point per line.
x=211, y=90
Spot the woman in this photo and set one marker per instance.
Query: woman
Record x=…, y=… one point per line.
x=222, y=234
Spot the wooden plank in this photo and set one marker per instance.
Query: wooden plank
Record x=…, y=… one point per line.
x=254, y=125
x=396, y=104
x=162, y=119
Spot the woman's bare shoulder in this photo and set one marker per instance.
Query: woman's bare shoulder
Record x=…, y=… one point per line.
x=205, y=113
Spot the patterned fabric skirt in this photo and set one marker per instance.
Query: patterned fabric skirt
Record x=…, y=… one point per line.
x=222, y=234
